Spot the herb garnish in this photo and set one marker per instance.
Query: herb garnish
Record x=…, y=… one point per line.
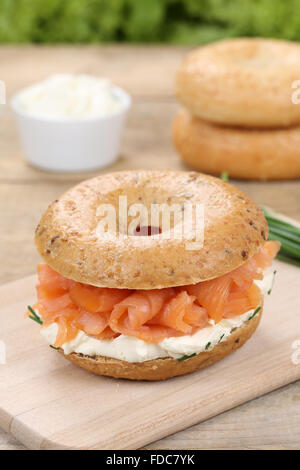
x=221, y=337
x=183, y=358
x=53, y=347
x=224, y=176
x=254, y=313
x=207, y=346
x=289, y=260
x=34, y=316
x=287, y=234
x=270, y=290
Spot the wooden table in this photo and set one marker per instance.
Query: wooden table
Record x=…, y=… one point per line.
x=270, y=422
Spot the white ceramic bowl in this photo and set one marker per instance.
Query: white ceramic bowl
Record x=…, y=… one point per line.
x=71, y=144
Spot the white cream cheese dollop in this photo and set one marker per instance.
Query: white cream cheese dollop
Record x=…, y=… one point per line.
x=131, y=349
x=70, y=96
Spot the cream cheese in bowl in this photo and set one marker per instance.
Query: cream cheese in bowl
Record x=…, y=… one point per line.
x=71, y=96
x=71, y=122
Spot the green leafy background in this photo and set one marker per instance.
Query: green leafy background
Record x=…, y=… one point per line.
x=146, y=21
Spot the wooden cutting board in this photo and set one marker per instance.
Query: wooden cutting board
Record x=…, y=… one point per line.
x=47, y=403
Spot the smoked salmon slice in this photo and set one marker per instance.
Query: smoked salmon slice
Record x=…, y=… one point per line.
x=150, y=315
x=181, y=314
x=96, y=299
x=212, y=295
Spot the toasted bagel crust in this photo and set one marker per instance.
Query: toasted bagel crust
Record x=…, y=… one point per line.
x=159, y=369
x=260, y=154
x=242, y=82
x=66, y=237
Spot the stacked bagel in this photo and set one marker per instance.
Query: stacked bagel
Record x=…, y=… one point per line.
x=240, y=115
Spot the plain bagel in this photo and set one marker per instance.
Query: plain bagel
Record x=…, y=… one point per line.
x=235, y=229
x=243, y=82
x=160, y=369
x=262, y=154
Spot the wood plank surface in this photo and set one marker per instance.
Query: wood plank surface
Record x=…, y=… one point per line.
x=147, y=73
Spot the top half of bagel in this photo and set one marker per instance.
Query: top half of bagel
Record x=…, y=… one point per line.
x=67, y=238
x=243, y=82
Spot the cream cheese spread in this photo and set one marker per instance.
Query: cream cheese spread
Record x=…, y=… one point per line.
x=71, y=96
x=131, y=349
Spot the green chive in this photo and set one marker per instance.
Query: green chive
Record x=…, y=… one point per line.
x=53, y=347
x=221, y=337
x=270, y=290
x=254, y=313
x=224, y=176
x=276, y=220
x=287, y=259
x=287, y=234
x=207, y=346
x=283, y=233
x=183, y=358
x=34, y=316
x=283, y=226
x=290, y=248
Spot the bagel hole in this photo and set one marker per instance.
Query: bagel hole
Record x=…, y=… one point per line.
x=140, y=204
x=146, y=231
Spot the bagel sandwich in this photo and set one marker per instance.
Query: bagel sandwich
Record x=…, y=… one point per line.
x=129, y=299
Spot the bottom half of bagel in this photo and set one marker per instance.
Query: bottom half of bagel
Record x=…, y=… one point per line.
x=254, y=154
x=164, y=368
